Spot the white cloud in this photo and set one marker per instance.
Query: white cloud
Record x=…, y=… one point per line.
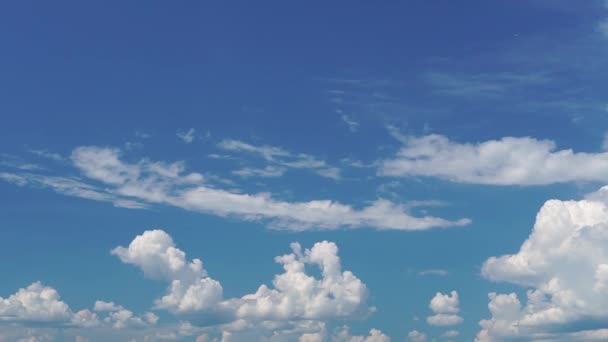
x=417, y=336
x=564, y=263
x=70, y=187
x=605, y=142
x=352, y=125
x=137, y=184
x=191, y=289
x=446, y=308
x=508, y=161
x=451, y=333
x=487, y=85
x=188, y=136
x=343, y=335
x=602, y=27
x=445, y=303
x=434, y=272
x=267, y=172
x=295, y=295
x=298, y=295
x=47, y=154
x=38, y=304
x=283, y=158
x=119, y=317
x=267, y=152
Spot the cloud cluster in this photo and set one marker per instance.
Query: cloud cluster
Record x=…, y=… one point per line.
x=295, y=295
x=296, y=306
x=39, y=304
x=508, y=161
x=445, y=308
x=143, y=183
x=564, y=262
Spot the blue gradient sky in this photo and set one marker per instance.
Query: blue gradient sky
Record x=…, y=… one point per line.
x=339, y=81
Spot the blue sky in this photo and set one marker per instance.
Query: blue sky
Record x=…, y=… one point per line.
x=423, y=141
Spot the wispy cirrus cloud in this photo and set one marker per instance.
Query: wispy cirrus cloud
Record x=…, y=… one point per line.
x=280, y=157
x=434, y=272
x=483, y=84
x=352, y=125
x=187, y=136
x=143, y=183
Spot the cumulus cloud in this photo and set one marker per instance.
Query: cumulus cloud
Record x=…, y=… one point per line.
x=564, y=263
x=283, y=158
x=119, y=317
x=294, y=295
x=299, y=295
x=37, y=304
x=343, y=335
x=144, y=182
x=155, y=253
x=508, y=161
x=446, y=308
x=417, y=336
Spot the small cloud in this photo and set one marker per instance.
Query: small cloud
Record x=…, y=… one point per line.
x=281, y=157
x=434, y=272
x=14, y=162
x=445, y=308
x=268, y=172
x=187, y=137
x=142, y=135
x=353, y=125
x=47, y=154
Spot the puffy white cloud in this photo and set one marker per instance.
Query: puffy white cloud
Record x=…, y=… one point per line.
x=375, y=335
x=417, y=336
x=445, y=303
x=38, y=303
x=302, y=331
x=155, y=253
x=508, y=161
x=564, y=263
x=119, y=317
x=446, y=308
x=137, y=184
x=35, y=303
x=298, y=295
x=295, y=295
x=444, y=319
